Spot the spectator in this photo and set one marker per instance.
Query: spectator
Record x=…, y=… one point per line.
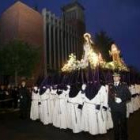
x=2, y=96
x=24, y=100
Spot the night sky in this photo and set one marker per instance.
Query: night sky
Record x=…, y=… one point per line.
x=120, y=19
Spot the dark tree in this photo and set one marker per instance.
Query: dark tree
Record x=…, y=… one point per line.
x=103, y=44
x=18, y=58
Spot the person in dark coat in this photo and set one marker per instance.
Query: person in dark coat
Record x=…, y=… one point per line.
x=2, y=96
x=15, y=96
x=8, y=92
x=119, y=94
x=24, y=100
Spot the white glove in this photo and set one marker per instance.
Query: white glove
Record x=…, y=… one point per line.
x=118, y=100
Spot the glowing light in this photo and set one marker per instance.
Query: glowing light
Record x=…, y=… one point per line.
x=89, y=56
x=71, y=64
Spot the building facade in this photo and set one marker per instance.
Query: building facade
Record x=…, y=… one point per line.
x=57, y=37
x=73, y=14
x=22, y=22
x=63, y=36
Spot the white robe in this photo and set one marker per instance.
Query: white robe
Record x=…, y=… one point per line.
x=74, y=113
x=102, y=114
x=139, y=94
x=130, y=103
x=137, y=97
x=89, y=120
x=51, y=103
x=44, y=107
x=133, y=99
x=34, y=112
x=60, y=111
x=109, y=117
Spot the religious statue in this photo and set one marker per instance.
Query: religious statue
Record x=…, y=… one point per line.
x=115, y=53
x=89, y=55
x=87, y=45
x=117, y=60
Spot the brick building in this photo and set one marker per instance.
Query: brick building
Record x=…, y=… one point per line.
x=57, y=37
x=22, y=22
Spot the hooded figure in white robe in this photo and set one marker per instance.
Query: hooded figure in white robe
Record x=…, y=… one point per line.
x=60, y=110
x=51, y=101
x=44, y=107
x=133, y=99
x=89, y=120
x=74, y=108
x=102, y=114
x=137, y=97
x=34, y=112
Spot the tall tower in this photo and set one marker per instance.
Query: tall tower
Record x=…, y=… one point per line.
x=73, y=14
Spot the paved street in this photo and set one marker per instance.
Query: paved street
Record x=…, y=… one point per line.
x=13, y=128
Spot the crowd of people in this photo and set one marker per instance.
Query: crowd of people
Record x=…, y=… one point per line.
x=16, y=97
x=89, y=107
x=9, y=96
